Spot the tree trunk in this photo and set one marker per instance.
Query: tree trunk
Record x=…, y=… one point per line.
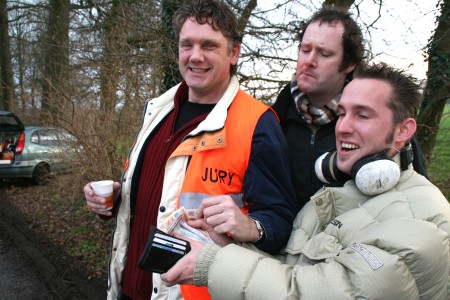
x=56, y=58
x=437, y=90
x=110, y=69
x=169, y=46
x=6, y=80
x=246, y=14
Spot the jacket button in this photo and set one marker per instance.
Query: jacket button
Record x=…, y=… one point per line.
x=155, y=290
x=219, y=140
x=319, y=202
x=149, y=113
x=203, y=143
x=194, y=148
x=162, y=208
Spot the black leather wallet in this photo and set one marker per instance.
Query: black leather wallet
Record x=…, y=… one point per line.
x=162, y=251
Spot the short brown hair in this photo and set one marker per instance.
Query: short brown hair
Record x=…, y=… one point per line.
x=214, y=13
x=352, y=38
x=406, y=92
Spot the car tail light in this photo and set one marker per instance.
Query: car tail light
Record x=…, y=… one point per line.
x=20, y=143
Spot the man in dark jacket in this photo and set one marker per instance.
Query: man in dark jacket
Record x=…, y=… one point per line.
x=331, y=47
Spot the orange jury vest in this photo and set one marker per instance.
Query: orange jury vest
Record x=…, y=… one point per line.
x=218, y=163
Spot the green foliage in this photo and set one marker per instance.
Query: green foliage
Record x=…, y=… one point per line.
x=81, y=229
x=439, y=169
x=84, y=248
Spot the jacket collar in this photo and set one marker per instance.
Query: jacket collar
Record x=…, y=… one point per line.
x=217, y=117
x=330, y=202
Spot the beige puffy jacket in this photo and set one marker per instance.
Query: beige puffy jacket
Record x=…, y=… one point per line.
x=346, y=245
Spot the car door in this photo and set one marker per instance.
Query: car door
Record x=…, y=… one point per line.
x=51, y=149
x=71, y=149
x=63, y=148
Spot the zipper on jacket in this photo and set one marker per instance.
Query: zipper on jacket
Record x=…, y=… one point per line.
x=313, y=137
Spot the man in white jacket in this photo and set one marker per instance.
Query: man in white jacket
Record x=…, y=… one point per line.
x=383, y=235
x=203, y=142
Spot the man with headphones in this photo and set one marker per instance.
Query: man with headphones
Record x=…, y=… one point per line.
x=382, y=235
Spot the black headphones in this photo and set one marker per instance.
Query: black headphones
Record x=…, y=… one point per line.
x=373, y=174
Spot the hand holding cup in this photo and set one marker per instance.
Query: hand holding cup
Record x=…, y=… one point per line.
x=104, y=188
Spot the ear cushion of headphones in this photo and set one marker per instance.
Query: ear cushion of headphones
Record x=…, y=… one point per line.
x=373, y=175
x=369, y=159
x=376, y=177
x=326, y=168
x=320, y=167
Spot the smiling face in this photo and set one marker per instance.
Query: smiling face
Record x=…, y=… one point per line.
x=204, y=61
x=319, y=59
x=365, y=125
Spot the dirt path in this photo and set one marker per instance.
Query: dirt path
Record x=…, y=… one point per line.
x=56, y=277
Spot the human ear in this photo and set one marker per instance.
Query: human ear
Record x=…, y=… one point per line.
x=350, y=68
x=406, y=130
x=235, y=51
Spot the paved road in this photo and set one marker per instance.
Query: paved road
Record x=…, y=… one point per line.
x=27, y=269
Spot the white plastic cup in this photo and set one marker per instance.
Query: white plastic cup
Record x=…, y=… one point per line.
x=104, y=188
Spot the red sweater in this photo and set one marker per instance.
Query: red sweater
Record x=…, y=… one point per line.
x=137, y=283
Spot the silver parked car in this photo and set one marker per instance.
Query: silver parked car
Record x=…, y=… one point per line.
x=38, y=151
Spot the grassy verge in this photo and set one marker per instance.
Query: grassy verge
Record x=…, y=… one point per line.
x=58, y=211
x=439, y=168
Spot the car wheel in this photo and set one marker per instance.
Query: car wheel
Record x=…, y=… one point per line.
x=41, y=174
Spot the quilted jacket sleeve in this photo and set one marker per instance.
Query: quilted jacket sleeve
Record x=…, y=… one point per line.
x=410, y=263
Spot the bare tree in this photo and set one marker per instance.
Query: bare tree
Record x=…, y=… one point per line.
x=97, y=62
x=114, y=40
x=56, y=58
x=117, y=60
x=26, y=32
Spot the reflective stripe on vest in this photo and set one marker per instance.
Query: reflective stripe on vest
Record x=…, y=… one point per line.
x=219, y=161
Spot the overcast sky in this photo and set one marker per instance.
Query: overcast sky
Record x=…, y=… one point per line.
x=398, y=37
x=402, y=32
